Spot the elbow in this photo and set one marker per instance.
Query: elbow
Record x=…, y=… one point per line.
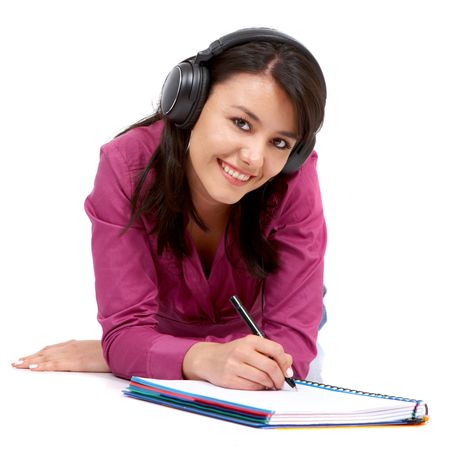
x=126, y=352
x=111, y=353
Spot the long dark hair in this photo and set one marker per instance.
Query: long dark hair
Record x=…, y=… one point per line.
x=166, y=197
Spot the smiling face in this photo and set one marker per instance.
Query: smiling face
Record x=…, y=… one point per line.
x=243, y=137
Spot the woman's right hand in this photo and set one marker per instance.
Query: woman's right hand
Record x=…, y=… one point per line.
x=72, y=355
x=248, y=363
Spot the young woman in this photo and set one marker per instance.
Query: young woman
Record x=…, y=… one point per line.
x=214, y=195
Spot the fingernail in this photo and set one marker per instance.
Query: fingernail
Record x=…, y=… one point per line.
x=18, y=362
x=33, y=365
x=289, y=372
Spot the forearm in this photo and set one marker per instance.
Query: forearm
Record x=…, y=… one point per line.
x=142, y=351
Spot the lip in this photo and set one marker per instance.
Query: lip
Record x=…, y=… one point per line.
x=241, y=172
x=231, y=179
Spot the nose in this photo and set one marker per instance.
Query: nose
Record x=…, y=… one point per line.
x=252, y=154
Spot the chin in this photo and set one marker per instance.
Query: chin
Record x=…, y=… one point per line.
x=229, y=201
x=227, y=198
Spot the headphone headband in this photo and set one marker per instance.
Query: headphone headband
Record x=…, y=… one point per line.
x=244, y=36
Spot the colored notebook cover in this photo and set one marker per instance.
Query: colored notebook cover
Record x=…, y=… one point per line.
x=312, y=404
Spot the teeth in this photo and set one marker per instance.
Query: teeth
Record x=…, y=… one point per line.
x=234, y=173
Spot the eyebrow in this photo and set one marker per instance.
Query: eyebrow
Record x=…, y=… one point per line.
x=257, y=119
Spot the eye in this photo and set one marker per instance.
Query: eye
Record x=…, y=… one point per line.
x=281, y=144
x=241, y=123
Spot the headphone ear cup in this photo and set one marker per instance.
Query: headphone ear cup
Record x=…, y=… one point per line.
x=184, y=93
x=171, y=93
x=298, y=156
x=199, y=95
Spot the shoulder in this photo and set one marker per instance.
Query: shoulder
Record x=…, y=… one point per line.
x=134, y=147
x=298, y=194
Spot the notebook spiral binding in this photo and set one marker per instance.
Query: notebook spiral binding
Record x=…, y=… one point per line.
x=367, y=394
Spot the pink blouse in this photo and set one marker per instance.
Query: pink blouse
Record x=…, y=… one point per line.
x=153, y=308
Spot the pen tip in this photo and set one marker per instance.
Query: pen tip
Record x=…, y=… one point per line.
x=291, y=383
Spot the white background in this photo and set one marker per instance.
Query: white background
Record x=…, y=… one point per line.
x=74, y=73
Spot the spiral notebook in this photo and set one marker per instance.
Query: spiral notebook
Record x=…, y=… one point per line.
x=311, y=405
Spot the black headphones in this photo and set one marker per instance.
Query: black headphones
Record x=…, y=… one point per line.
x=186, y=87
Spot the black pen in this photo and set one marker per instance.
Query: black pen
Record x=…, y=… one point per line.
x=239, y=307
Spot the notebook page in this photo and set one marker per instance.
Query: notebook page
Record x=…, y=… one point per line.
x=307, y=399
